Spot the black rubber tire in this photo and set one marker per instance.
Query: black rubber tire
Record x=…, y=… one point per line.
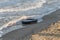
x=29, y=21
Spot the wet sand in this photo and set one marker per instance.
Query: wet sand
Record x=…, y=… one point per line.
x=21, y=34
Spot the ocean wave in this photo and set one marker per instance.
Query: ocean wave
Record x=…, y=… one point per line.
x=23, y=7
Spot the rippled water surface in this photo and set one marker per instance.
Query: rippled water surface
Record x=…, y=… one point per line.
x=12, y=9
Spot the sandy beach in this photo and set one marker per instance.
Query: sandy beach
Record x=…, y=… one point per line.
x=45, y=30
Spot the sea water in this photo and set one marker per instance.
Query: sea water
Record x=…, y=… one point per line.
x=12, y=11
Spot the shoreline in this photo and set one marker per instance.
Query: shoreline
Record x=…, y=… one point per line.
x=39, y=17
x=33, y=28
